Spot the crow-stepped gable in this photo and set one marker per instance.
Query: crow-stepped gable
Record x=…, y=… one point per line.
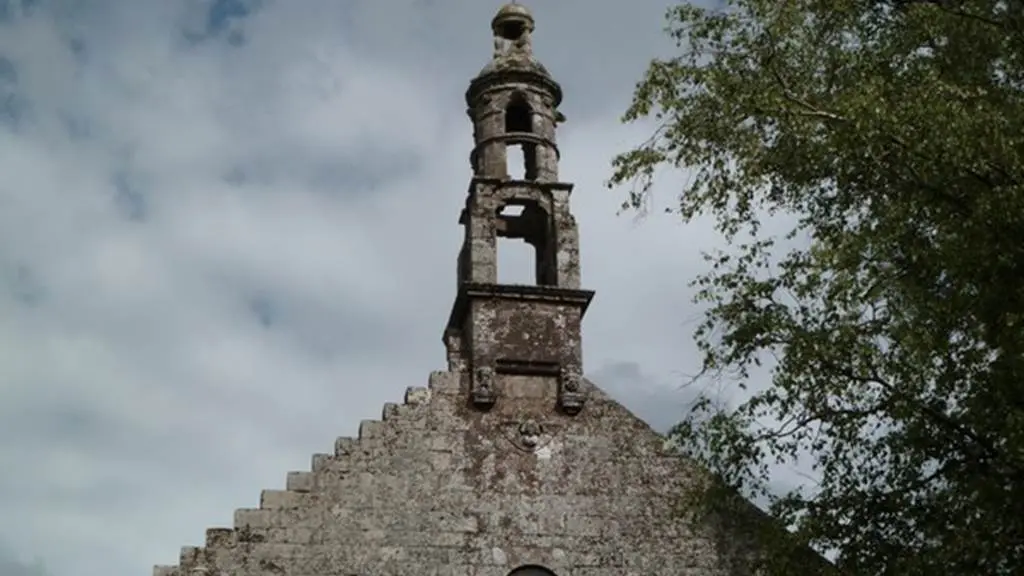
x=509, y=463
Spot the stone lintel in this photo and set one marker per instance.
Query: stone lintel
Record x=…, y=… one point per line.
x=499, y=183
x=469, y=291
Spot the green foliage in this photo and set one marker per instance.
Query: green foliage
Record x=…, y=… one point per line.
x=892, y=133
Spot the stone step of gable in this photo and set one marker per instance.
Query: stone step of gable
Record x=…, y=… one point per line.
x=442, y=382
x=345, y=446
x=371, y=429
x=221, y=537
x=416, y=395
x=300, y=481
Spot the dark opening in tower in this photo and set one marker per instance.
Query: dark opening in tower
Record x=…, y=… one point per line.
x=518, y=116
x=522, y=156
x=512, y=30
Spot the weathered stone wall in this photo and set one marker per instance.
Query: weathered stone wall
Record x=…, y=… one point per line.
x=524, y=330
x=438, y=487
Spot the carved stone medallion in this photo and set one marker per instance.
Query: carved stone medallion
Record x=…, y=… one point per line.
x=527, y=434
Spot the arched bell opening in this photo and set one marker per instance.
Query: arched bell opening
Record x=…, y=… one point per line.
x=528, y=221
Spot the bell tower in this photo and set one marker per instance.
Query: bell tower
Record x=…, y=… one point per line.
x=513, y=329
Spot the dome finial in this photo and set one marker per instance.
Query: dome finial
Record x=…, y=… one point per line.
x=513, y=41
x=512, y=22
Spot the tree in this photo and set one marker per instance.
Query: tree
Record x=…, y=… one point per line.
x=891, y=316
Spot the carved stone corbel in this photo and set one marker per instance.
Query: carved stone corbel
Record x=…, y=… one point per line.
x=483, y=391
x=570, y=390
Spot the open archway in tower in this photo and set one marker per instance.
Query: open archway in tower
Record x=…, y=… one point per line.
x=522, y=160
x=516, y=158
x=522, y=156
x=518, y=115
x=524, y=254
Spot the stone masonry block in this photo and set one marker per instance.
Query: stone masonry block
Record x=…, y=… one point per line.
x=282, y=499
x=444, y=382
x=220, y=537
x=369, y=429
x=166, y=571
x=189, y=555
x=415, y=395
x=300, y=481
x=320, y=461
x=254, y=518
x=345, y=445
x=390, y=411
x=411, y=421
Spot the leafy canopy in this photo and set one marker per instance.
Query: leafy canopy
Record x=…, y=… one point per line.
x=891, y=134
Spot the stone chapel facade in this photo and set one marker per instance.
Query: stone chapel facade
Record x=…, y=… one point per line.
x=509, y=463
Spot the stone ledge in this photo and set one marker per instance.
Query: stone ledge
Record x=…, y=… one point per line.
x=320, y=461
x=220, y=537
x=282, y=499
x=165, y=571
x=469, y=291
x=416, y=395
x=300, y=481
x=371, y=429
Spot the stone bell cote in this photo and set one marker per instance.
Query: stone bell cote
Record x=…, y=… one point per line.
x=506, y=329
x=513, y=104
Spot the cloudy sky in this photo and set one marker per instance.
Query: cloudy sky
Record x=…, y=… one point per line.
x=228, y=232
